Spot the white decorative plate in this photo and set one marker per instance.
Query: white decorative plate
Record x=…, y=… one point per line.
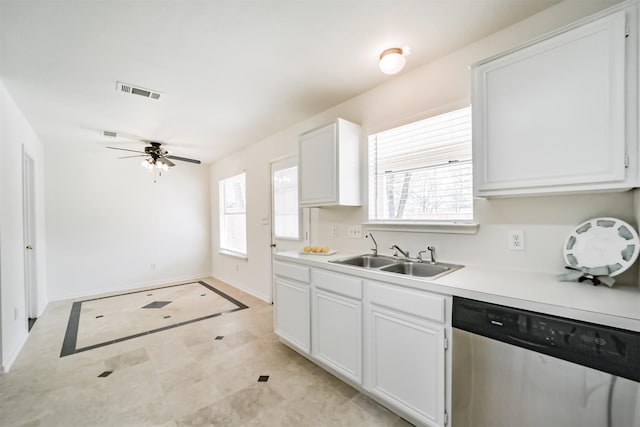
x=602, y=242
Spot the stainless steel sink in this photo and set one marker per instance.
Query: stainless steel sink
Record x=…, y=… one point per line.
x=366, y=261
x=394, y=265
x=421, y=269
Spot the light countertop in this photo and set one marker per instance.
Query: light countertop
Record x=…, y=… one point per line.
x=618, y=306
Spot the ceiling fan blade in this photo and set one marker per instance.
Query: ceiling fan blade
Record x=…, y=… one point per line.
x=183, y=159
x=125, y=149
x=167, y=161
x=137, y=155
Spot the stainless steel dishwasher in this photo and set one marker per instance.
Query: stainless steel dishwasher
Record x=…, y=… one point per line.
x=517, y=368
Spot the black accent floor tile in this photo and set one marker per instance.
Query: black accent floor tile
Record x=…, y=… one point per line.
x=71, y=334
x=105, y=374
x=263, y=378
x=157, y=304
x=202, y=295
x=166, y=317
x=219, y=337
x=99, y=316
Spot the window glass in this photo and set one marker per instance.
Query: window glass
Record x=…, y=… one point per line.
x=422, y=171
x=233, y=218
x=285, y=203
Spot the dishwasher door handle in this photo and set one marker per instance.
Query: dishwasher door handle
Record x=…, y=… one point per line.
x=528, y=343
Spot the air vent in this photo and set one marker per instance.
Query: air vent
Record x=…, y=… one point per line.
x=109, y=133
x=137, y=90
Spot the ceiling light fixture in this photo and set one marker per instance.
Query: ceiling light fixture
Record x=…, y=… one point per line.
x=393, y=59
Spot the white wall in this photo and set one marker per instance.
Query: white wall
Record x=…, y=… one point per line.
x=108, y=222
x=436, y=87
x=16, y=133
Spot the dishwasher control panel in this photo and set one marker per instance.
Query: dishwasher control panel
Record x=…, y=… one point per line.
x=612, y=350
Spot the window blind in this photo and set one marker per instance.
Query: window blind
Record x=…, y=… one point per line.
x=422, y=171
x=233, y=218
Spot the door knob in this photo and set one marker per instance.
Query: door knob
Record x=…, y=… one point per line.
x=273, y=245
x=29, y=247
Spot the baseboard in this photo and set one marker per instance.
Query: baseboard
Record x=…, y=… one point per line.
x=11, y=358
x=264, y=298
x=128, y=287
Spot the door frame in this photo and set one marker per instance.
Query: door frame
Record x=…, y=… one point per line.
x=29, y=236
x=305, y=222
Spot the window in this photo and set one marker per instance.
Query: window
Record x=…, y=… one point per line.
x=286, y=212
x=422, y=171
x=233, y=218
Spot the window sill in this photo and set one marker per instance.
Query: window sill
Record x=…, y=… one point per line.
x=232, y=254
x=461, y=227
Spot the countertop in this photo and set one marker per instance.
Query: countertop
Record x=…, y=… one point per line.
x=618, y=306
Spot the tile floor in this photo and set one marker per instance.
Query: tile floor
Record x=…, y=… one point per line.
x=179, y=377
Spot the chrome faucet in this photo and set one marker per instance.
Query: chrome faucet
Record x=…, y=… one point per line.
x=432, y=251
x=374, y=250
x=397, y=249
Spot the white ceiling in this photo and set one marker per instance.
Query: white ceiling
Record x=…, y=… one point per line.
x=232, y=71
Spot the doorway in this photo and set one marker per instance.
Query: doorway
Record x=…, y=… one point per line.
x=29, y=235
x=289, y=222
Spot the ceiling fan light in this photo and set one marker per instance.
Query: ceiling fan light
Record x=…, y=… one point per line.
x=392, y=60
x=145, y=163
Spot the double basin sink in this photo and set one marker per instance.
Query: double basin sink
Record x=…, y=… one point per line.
x=399, y=266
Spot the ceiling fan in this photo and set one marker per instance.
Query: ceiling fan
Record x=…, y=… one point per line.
x=155, y=156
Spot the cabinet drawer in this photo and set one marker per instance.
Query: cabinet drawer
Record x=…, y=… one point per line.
x=292, y=271
x=421, y=304
x=337, y=283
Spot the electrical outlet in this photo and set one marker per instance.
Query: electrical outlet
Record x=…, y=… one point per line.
x=355, y=232
x=516, y=240
x=15, y=313
x=153, y=266
x=334, y=230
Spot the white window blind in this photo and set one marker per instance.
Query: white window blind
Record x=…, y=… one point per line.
x=233, y=217
x=286, y=211
x=422, y=171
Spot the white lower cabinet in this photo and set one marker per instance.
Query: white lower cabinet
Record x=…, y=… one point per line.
x=387, y=340
x=336, y=328
x=292, y=299
x=405, y=351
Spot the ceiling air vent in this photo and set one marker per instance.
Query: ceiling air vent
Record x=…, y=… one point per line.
x=137, y=90
x=109, y=133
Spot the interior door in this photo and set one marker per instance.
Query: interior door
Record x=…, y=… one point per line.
x=28, y=212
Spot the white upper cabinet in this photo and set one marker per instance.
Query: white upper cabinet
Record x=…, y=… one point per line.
x=330, y=165
x=559, y=115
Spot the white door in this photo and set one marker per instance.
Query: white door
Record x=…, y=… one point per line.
x=289, y=223
x=28, y=212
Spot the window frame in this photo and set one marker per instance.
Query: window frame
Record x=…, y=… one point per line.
x=222, y=243
x=456, y=226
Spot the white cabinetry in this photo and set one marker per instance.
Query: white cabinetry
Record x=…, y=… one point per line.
x=405, y=351
x=292, y=305
x=336, y=327
x=559, y=115
x=330, y=165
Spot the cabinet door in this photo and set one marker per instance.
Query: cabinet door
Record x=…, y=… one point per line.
x=292, y=314
x=318, y=167
x=337, y=333
x=406, y=365
x=551, y=117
